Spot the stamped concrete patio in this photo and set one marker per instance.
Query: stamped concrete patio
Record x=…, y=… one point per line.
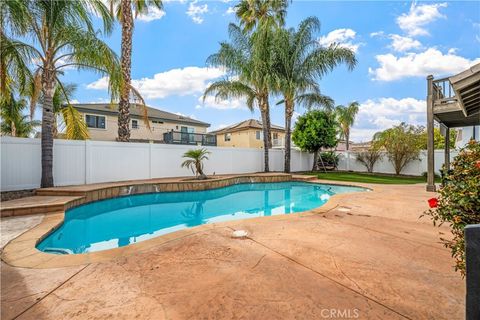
x=370, y=257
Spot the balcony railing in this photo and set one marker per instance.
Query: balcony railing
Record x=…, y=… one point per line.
x=198, y=139
x=443, y=90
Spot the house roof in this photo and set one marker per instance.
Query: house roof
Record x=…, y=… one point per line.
x=244, y=125
x=136, y=111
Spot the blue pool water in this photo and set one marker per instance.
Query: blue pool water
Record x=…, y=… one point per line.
x=121, y=221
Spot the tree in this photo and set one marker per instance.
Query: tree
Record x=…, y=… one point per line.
x=195, y=162
x=369, y=157
x=299, y=63
x=346, y=118
x=245, y=82
x=125, y=16
x=402, y=144
x=14, y=122
x=63, y=36
x=315, y=130
x=439, y=139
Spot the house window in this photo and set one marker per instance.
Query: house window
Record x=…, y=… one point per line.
x=259, y=135
x=134, y=124
x=159, y=122
x=97, y=122
x=275, y=135
x=228, y=136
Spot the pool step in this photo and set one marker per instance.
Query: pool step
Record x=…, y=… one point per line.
x=38, y=205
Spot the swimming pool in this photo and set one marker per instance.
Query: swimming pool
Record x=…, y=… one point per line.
x=125, y=220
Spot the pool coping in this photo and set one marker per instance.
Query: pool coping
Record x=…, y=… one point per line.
x=22, y=251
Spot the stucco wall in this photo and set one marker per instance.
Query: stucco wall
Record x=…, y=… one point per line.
x=155, y=133
x=245, y=139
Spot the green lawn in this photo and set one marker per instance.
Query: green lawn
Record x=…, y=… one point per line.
x=368, y=177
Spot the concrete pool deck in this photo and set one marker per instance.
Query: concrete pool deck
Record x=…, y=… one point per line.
x=368, y=254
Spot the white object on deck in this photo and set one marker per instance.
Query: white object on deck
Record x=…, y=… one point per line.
x=239, y=234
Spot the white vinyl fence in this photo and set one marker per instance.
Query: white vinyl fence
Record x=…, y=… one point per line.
x=348, y=162
x=80, y=162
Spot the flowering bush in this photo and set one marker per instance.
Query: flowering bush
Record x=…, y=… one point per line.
x=459, y=200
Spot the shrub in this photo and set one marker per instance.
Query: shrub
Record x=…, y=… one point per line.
x=369, y=158
x=458, y=202
x=195, y=160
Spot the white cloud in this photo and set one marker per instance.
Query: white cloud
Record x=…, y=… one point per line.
x=418, y=17
x=180, y=82
x=431, y=61
x=377, y=34
x=153, y=14
x=196, y=11
x=342, y=37
x=400, y=43
x=230, y=10
x=376, y=115
x=211, y=102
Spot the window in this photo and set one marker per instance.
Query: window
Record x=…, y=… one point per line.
x=97, y=122
x=134, y=124
x=159, y=122
x=259, y=135
x=228, y=136
x=275, y=135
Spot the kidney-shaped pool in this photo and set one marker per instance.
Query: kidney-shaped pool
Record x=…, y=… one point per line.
x=125, y=220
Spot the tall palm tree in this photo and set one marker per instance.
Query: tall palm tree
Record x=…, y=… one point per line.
x=63, y=36
x=300, y=62
x=346, y=118
x=124, y=12
x=245, y=82
x=14, y=122
x=259, y=19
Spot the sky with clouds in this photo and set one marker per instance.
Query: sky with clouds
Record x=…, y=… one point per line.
x=397, y=45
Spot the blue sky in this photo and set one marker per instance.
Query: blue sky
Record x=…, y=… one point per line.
x=397, y=45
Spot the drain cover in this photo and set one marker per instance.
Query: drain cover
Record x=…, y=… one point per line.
x=239, y=234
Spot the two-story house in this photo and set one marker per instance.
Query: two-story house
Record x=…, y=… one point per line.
x=248, y=134
x=165, y=127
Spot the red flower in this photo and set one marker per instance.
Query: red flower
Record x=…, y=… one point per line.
x=433, y=202
x=477, y=164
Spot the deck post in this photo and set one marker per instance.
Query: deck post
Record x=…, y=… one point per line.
x=472, y=254
x=430, y=137
x=447, y=150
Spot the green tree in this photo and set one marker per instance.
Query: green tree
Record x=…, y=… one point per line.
x=438, y=139
x=124, y=11
x=299, y=63
x=402, y=144
x=63, y=36
x=239, y=59
x=195, y=161
x=315, y=130
x=346, y=118
x=14, y=122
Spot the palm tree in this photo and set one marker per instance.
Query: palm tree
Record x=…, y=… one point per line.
x=72, y=120
x=239, y=59
x=259, y=19
x=63, y=36
x=195, y=162
x=14, y=122
x=346, y=118
x=124, y=14
x=299, y=63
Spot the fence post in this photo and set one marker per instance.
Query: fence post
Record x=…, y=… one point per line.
x=88, y=158
x=150, y=146
x=472, y=253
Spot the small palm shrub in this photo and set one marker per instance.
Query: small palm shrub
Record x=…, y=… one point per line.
x=458, y=202
x=369, y=157
x=195, y=162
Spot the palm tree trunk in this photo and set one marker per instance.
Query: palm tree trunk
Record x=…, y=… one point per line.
x=126, y=64
x=347, y=136
x=269, y=125
x=266, y=132
x=13, y=129
x=48, y=86
x=288, y=131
